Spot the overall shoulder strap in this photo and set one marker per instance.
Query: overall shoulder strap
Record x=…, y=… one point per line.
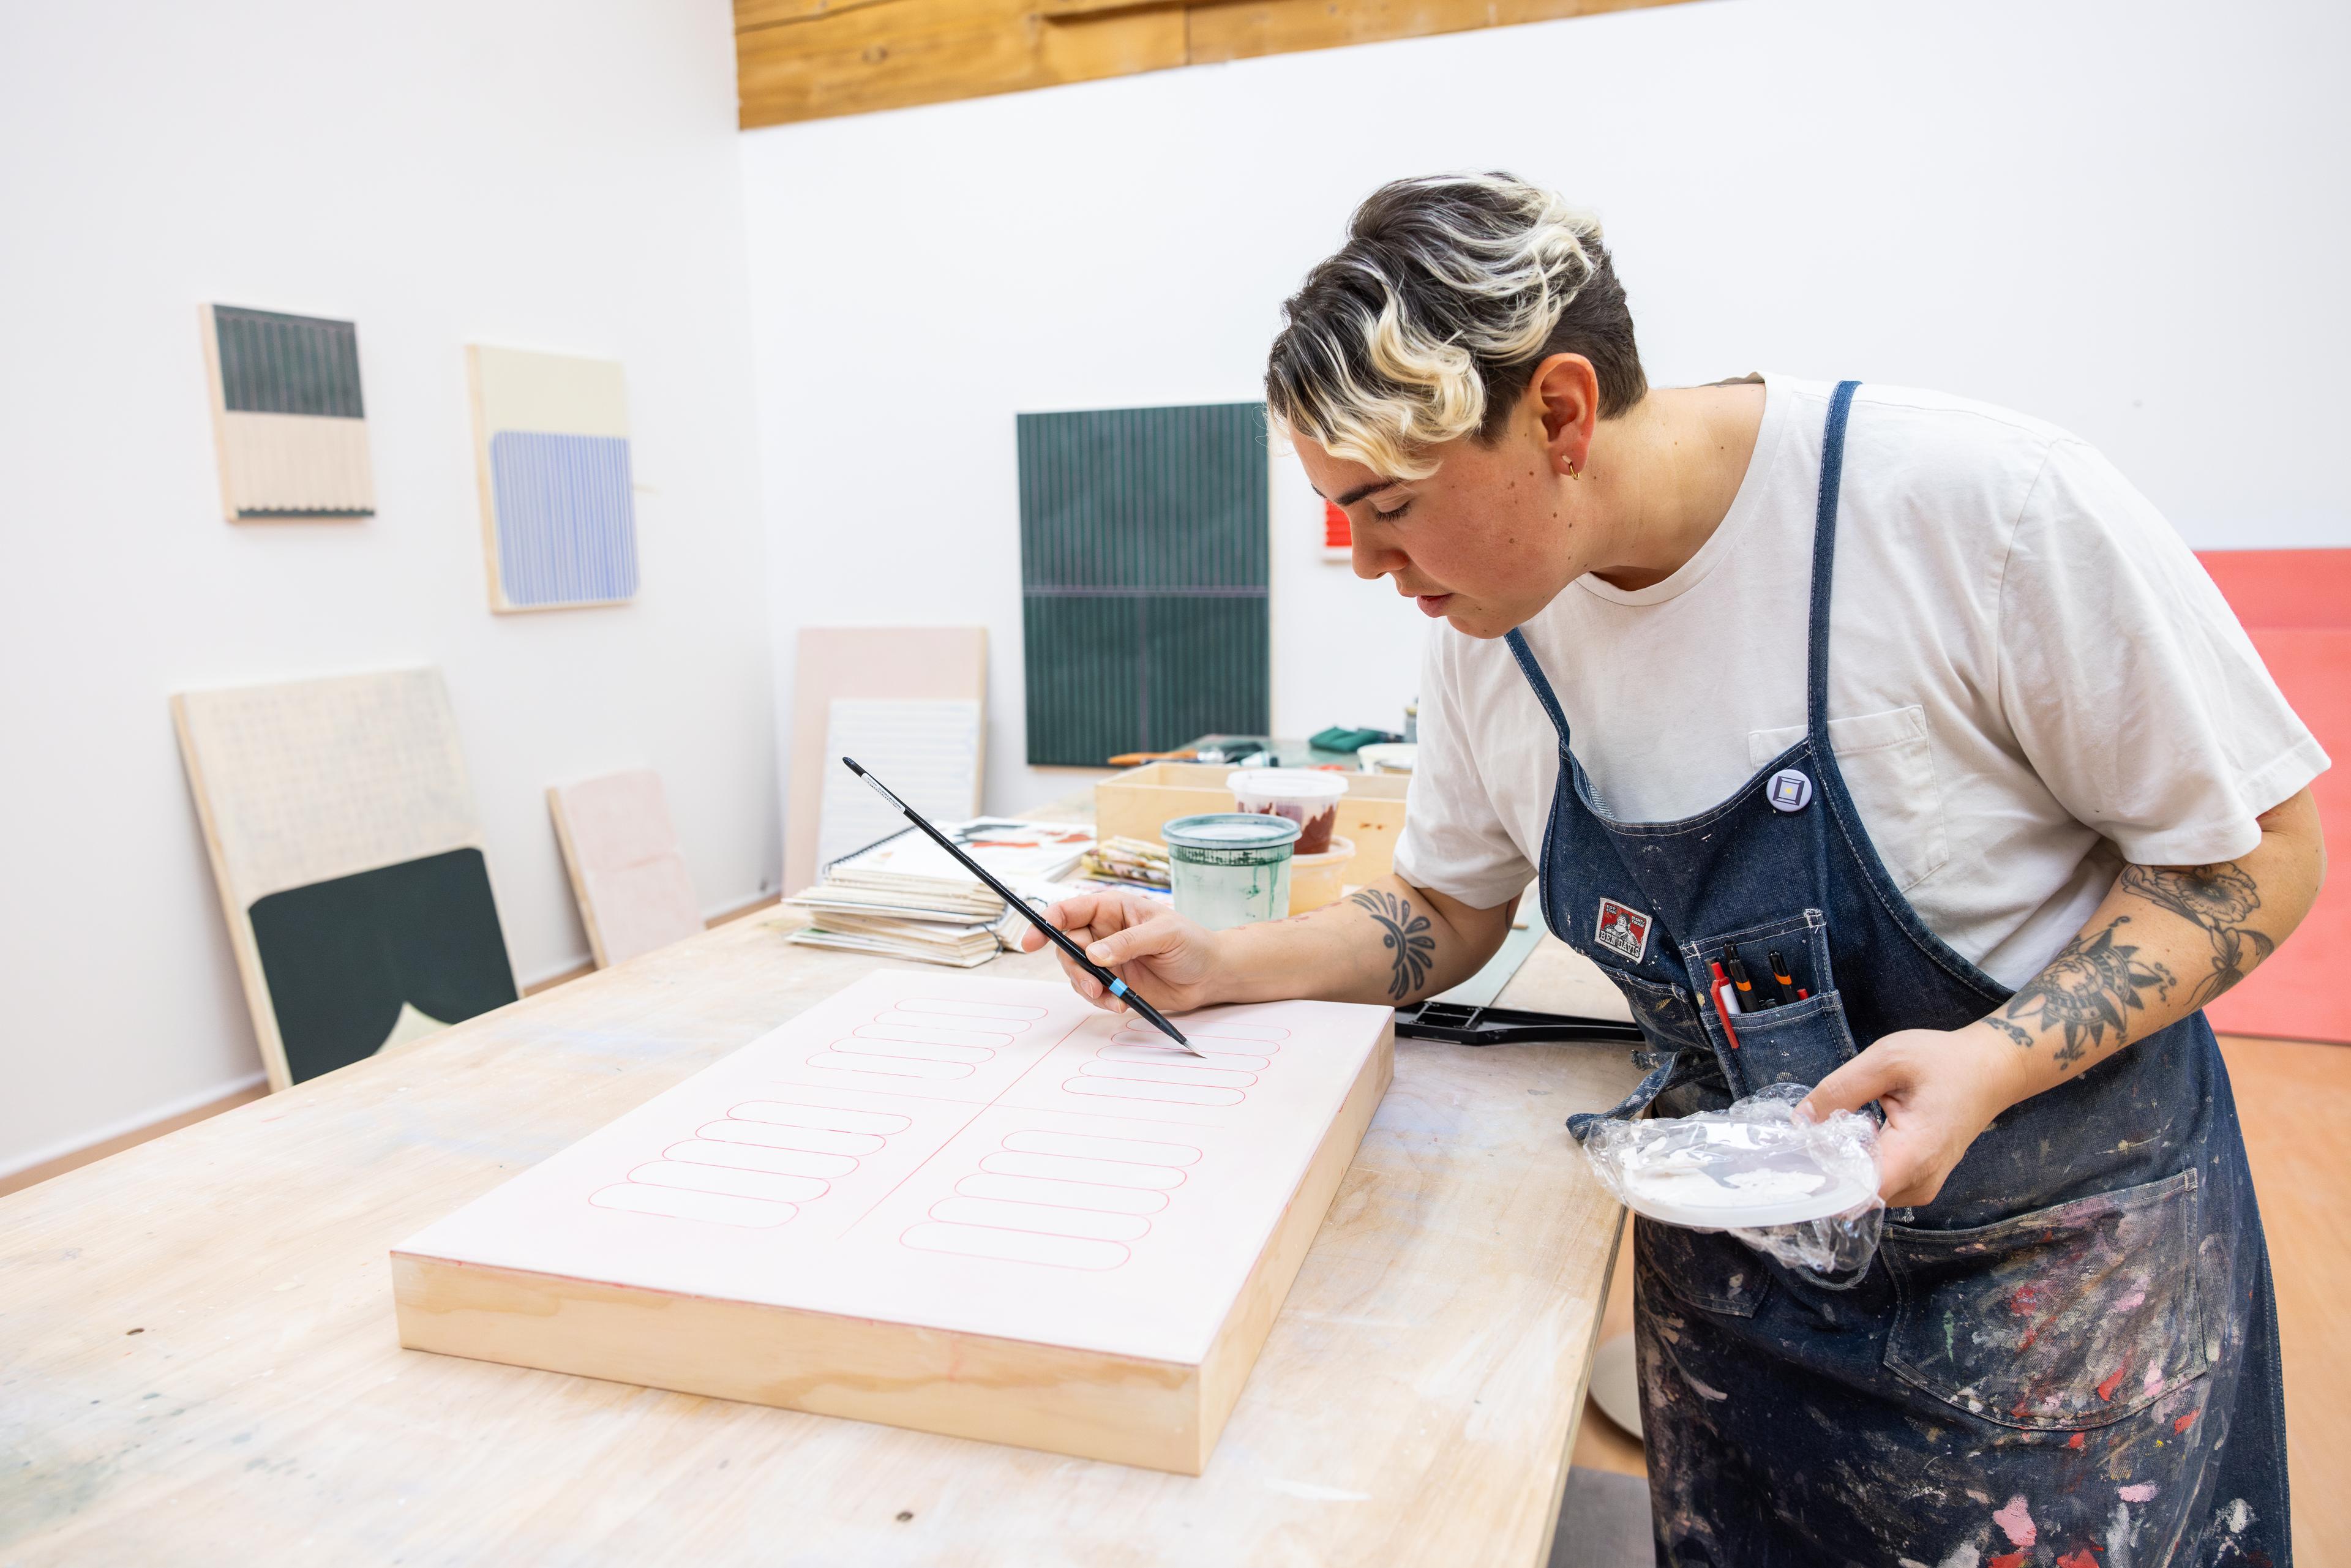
x=1533, y=672
x=1816, y=697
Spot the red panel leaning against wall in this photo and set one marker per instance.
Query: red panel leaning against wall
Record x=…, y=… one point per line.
x=2295, y=604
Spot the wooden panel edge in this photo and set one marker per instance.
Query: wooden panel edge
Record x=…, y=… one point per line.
x=482, y=483
x=240, y=924
x=216, y=390
x=578, y=875
x=1243, y=1334
x=1082, y=1403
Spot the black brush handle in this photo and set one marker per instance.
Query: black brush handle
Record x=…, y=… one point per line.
x=1053, y=933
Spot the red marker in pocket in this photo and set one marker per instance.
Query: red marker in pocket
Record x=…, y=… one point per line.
x=1726, y=1002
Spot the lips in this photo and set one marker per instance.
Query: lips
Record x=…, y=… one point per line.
x=1432, y=605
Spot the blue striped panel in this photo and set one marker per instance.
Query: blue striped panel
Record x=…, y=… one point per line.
x=567, y=518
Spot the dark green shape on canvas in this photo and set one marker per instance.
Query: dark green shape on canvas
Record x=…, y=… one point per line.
x=1142, y=571
x=341, y=957
x=274, y=364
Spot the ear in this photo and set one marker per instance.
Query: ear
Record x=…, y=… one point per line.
x=1564, y=395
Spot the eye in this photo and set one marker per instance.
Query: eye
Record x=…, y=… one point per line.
x=1391, y=514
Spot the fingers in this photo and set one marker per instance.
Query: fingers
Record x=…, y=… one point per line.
x=1146, y=940
x=1910, y=1169
x=1869, y=1076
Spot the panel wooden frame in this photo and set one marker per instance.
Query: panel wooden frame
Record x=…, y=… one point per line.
x=811, y=59
x=233, y=877
x=235, y=437
x=1158, y=1414
x=905, y=663
x=602, y=911
x=477, y=402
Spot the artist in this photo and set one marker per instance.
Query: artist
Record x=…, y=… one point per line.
x=1918, y=699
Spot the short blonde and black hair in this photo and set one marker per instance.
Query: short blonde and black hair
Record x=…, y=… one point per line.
x=1427, y=323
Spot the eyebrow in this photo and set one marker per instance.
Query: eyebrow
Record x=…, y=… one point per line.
x=1360, y=491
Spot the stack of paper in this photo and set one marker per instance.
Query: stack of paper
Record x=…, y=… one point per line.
x=907, y=898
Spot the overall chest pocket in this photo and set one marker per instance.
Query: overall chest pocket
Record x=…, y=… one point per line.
x=2063, y=1319
x=1889, y=763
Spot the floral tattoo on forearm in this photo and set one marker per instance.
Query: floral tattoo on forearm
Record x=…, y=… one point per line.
x=2219, y=900
x=2089, y=987
x=1406, y=936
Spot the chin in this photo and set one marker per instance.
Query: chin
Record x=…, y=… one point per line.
x=1478, y=621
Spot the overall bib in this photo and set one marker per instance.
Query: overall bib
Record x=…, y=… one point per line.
x=2069, y=1358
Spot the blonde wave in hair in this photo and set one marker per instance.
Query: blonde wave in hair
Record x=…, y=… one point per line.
x=1448, y=284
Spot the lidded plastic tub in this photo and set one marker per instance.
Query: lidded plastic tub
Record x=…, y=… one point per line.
x=1307, y=797
x=1230, y=868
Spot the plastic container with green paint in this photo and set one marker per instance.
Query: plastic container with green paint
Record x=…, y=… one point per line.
x=1230, y=868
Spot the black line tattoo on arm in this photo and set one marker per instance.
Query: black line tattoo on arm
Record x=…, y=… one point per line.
x=2218, y=899
x=2089, y=987
x=1411, y=949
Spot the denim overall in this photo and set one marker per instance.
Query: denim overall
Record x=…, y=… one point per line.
x=2069, y=1358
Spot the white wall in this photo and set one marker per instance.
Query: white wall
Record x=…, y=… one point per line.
x=558, y=174
x=2123, y=216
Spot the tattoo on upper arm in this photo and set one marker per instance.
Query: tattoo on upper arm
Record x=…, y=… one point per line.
x=2089, y=987
x=1411, y=949
x=2218, y=899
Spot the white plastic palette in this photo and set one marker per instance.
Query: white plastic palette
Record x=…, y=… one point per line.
x=1737, y=1176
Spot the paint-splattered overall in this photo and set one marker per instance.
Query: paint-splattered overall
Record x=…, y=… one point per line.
x=2069, y=1358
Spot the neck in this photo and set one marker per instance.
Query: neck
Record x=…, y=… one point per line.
x=1661, y=477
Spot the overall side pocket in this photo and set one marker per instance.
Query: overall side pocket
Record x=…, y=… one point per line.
x=1706, y=1268
x=2060, y=1320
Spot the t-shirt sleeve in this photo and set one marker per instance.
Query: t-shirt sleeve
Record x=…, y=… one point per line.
x=2129, y=685
x=1454, y=842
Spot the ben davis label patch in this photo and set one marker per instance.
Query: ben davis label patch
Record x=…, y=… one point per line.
x=1623, y=932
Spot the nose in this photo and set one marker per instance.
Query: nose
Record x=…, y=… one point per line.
x=1373, y=561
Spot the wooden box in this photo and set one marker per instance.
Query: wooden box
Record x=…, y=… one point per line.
x=1137, y=803
x=972, y=1206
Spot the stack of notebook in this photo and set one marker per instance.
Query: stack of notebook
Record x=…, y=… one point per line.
x=907, y=898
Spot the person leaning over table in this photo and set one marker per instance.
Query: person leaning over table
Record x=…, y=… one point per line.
x=1920, y=694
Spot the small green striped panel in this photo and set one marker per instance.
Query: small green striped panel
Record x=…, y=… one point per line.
x=272, y=363
x=1142, y=570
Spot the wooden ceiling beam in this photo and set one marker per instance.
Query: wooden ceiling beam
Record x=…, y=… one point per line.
x=811, y=59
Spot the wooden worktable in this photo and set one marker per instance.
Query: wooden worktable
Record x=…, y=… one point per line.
x=198, y=1363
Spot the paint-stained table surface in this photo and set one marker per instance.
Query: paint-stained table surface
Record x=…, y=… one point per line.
x=198, y=1363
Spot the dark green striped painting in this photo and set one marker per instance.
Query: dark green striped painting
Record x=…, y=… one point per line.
x=1142, y=573
x=275, y=364
x=288, y=415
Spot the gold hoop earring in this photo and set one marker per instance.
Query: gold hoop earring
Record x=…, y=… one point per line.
x=1571, y=469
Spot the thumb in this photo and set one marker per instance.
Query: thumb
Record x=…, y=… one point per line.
x=1865, y=1078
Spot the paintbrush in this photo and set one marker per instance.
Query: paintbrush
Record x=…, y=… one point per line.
x=1053, y=933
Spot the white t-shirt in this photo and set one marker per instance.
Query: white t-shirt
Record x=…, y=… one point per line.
x=2031, y=680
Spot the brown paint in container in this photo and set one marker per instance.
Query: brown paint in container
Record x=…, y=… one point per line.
x=1306, y=796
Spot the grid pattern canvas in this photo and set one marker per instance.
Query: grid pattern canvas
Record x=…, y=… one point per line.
x=558, y=509
x=349, y=858
x=288, y=420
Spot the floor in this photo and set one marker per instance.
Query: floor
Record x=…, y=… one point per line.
x=2294, y=1099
